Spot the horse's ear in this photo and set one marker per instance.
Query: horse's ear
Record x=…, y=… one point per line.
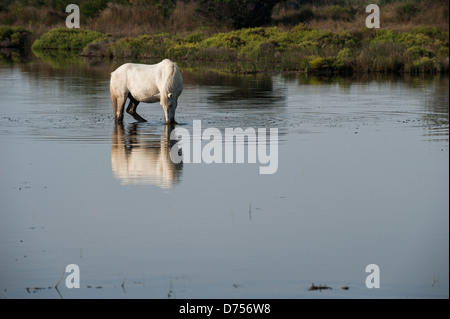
x=169, y=95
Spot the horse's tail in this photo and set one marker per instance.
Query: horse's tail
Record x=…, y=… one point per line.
x=112, y=93
x=170, y=73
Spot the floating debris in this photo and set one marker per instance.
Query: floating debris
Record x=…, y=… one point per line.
x=35, y=289
x=319, y=287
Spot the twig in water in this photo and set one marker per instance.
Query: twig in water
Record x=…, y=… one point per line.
x=56, y=286
x=123, y=285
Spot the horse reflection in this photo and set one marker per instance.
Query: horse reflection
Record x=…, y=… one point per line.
x=139, y=157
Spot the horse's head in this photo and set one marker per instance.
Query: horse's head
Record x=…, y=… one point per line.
x=172, y=106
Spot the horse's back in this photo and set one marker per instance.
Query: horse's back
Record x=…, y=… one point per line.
x=145, y=69
x=122, y=69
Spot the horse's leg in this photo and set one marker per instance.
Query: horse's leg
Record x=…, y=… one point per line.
x=114, y=104
x=118, y=105
x=131, y=109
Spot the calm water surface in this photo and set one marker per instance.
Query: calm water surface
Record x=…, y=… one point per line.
x=363, y=178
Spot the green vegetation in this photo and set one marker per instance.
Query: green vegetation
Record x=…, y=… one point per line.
x=13, y=37
x=300, y=49
x=66, y=39
x=253, y=35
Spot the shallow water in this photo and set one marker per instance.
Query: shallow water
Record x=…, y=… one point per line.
x=362, y=179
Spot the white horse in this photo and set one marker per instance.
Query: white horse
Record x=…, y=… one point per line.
x=146, y=83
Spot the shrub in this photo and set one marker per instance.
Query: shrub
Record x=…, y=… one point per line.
x=217, y=54
x=424, y=64
x=318, y=64
x=227, y=40
x=429, y=31
x=443, y=53
x=344, y=60
x=13, y=37
x=66, y=39
x=145, y=46
x=418, y=51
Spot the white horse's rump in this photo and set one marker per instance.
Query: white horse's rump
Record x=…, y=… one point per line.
x=146, y=83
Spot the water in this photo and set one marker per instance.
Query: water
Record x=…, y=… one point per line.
x=362, y=179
